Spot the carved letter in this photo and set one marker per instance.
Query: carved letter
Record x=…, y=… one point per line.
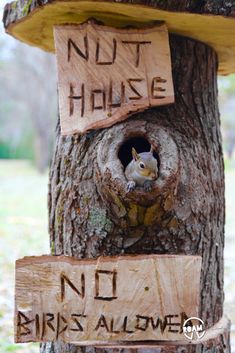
x=159, y=323
x=184, y=317
x=170, y=323
x=145, y=322
x=74, y=319
x=72, y=97
x=125, y=325
x=119, y=100
x=64, y=279
x=137, y=43
x=93, y=94
x=23, y=324
x=47, y=321
x=98, y=53
x=133, y=88
x=97, y=285
x=102, y=323
x=155, y=87
x=37, y=325
x=112, y=327
x=58, y=331
x=78, y=51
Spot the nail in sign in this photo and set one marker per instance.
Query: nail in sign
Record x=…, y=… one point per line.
x=107, y=74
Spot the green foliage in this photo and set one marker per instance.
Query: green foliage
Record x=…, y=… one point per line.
x=22, y=150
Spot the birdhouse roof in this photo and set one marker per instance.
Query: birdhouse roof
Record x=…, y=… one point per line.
x=32, y=21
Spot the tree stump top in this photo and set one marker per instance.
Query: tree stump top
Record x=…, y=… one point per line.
x=32, y=21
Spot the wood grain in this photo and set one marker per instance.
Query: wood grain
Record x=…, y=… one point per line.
x=124, y=298
x=107, y=74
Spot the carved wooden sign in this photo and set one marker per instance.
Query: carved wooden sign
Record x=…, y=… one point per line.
x=108, y=300
x=106, y=74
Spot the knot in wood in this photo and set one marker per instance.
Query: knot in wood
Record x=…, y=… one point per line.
x=111, y=166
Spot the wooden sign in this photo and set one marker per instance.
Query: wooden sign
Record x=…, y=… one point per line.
x=106, y=74
x=108, y=300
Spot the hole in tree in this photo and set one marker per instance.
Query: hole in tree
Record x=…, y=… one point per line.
x=139, y=143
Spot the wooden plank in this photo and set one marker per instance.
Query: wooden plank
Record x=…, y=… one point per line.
x=107, y=74
x=105, y=301
x=214, y=335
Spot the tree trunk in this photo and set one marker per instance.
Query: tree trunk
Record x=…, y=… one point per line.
x=91, y=214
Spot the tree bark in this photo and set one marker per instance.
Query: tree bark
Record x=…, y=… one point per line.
x=91, y=213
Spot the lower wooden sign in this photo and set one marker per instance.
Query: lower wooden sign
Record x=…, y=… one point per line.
x=110, y=299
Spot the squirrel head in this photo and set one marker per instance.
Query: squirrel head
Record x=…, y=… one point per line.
x=145, y=164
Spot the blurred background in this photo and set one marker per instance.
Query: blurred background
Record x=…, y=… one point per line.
x=28, y=115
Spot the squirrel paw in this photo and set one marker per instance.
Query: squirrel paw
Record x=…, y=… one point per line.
x=148, y=185
x=131, y=185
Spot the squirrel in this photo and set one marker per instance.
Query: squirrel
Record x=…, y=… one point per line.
x=142, y=170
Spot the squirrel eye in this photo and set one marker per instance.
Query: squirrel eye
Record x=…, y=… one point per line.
x=142, y=166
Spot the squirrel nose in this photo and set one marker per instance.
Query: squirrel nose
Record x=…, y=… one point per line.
x=153, y=176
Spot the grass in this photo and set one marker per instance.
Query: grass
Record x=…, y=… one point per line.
x=23, y=231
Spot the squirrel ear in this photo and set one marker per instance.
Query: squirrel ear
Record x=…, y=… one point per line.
x=151, y=149
x=134, y=154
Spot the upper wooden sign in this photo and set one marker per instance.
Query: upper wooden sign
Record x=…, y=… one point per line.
x=105, y=301
x=106, y=74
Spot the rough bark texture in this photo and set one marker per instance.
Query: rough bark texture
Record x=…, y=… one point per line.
x=91, y=214
x=17, y=10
